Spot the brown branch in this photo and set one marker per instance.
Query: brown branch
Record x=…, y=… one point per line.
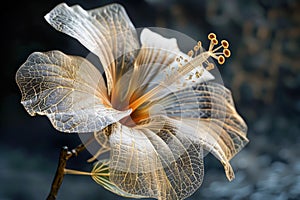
x=59, y=175
x=60, y=171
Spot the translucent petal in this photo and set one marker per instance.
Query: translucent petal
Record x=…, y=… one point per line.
x=68, y=89
x=155, y=55
x=106, y=31
x=165, y=52
x=170, y=70
x=155, y=160
x=162, y=157
x=156, y=71
x=210, y=110
x=98, y=145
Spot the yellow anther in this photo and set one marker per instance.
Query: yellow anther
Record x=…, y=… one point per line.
x=212, y=36
x=196, y=48
x=226, y=53
x=199, y=44
x=198, y=74
x=225, y=44
x=210, y=66
x=191, y=53
x=215, y=41
x=177, y=59
x=186, y=60
x=221, y=60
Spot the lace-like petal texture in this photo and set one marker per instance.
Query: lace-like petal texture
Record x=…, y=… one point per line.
x=69, y=90
x=106, y=31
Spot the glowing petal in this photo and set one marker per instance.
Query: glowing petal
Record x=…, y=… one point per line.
x=120, y=34
x=155, y=160
x=155, y=55
x=68, y=89
x=106, y=31
x=210, y=110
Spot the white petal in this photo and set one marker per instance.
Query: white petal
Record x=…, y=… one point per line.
x=155, y=55
x=209, y=109
x=106, y=31
x=155, y=160
x=68, y=89
x=151, y=39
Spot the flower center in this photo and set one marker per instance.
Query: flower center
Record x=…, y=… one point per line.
x=136, y=117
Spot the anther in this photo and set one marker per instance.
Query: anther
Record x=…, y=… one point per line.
x=199, y=44
x=210, y=66
x=191, y=53
x=212, y=36
x=221, y=60
x=226, y=53
x=198, y=74
x=215, y=41
x=225, y=44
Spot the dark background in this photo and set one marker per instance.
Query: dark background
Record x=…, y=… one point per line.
x=263, y=74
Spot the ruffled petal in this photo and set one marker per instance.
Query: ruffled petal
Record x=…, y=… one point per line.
x=68, y=89
x=162, y=156
x=210, y=110
x=106, y=31
x=155, y=160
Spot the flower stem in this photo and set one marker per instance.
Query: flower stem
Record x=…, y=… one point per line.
x=64, y=156
x=59, y=175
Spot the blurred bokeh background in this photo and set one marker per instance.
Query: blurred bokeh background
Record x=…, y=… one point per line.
x=263, y=74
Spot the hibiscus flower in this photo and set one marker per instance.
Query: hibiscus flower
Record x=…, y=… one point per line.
x=157, y=110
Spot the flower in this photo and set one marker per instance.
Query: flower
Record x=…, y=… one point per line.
x=157, y=112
